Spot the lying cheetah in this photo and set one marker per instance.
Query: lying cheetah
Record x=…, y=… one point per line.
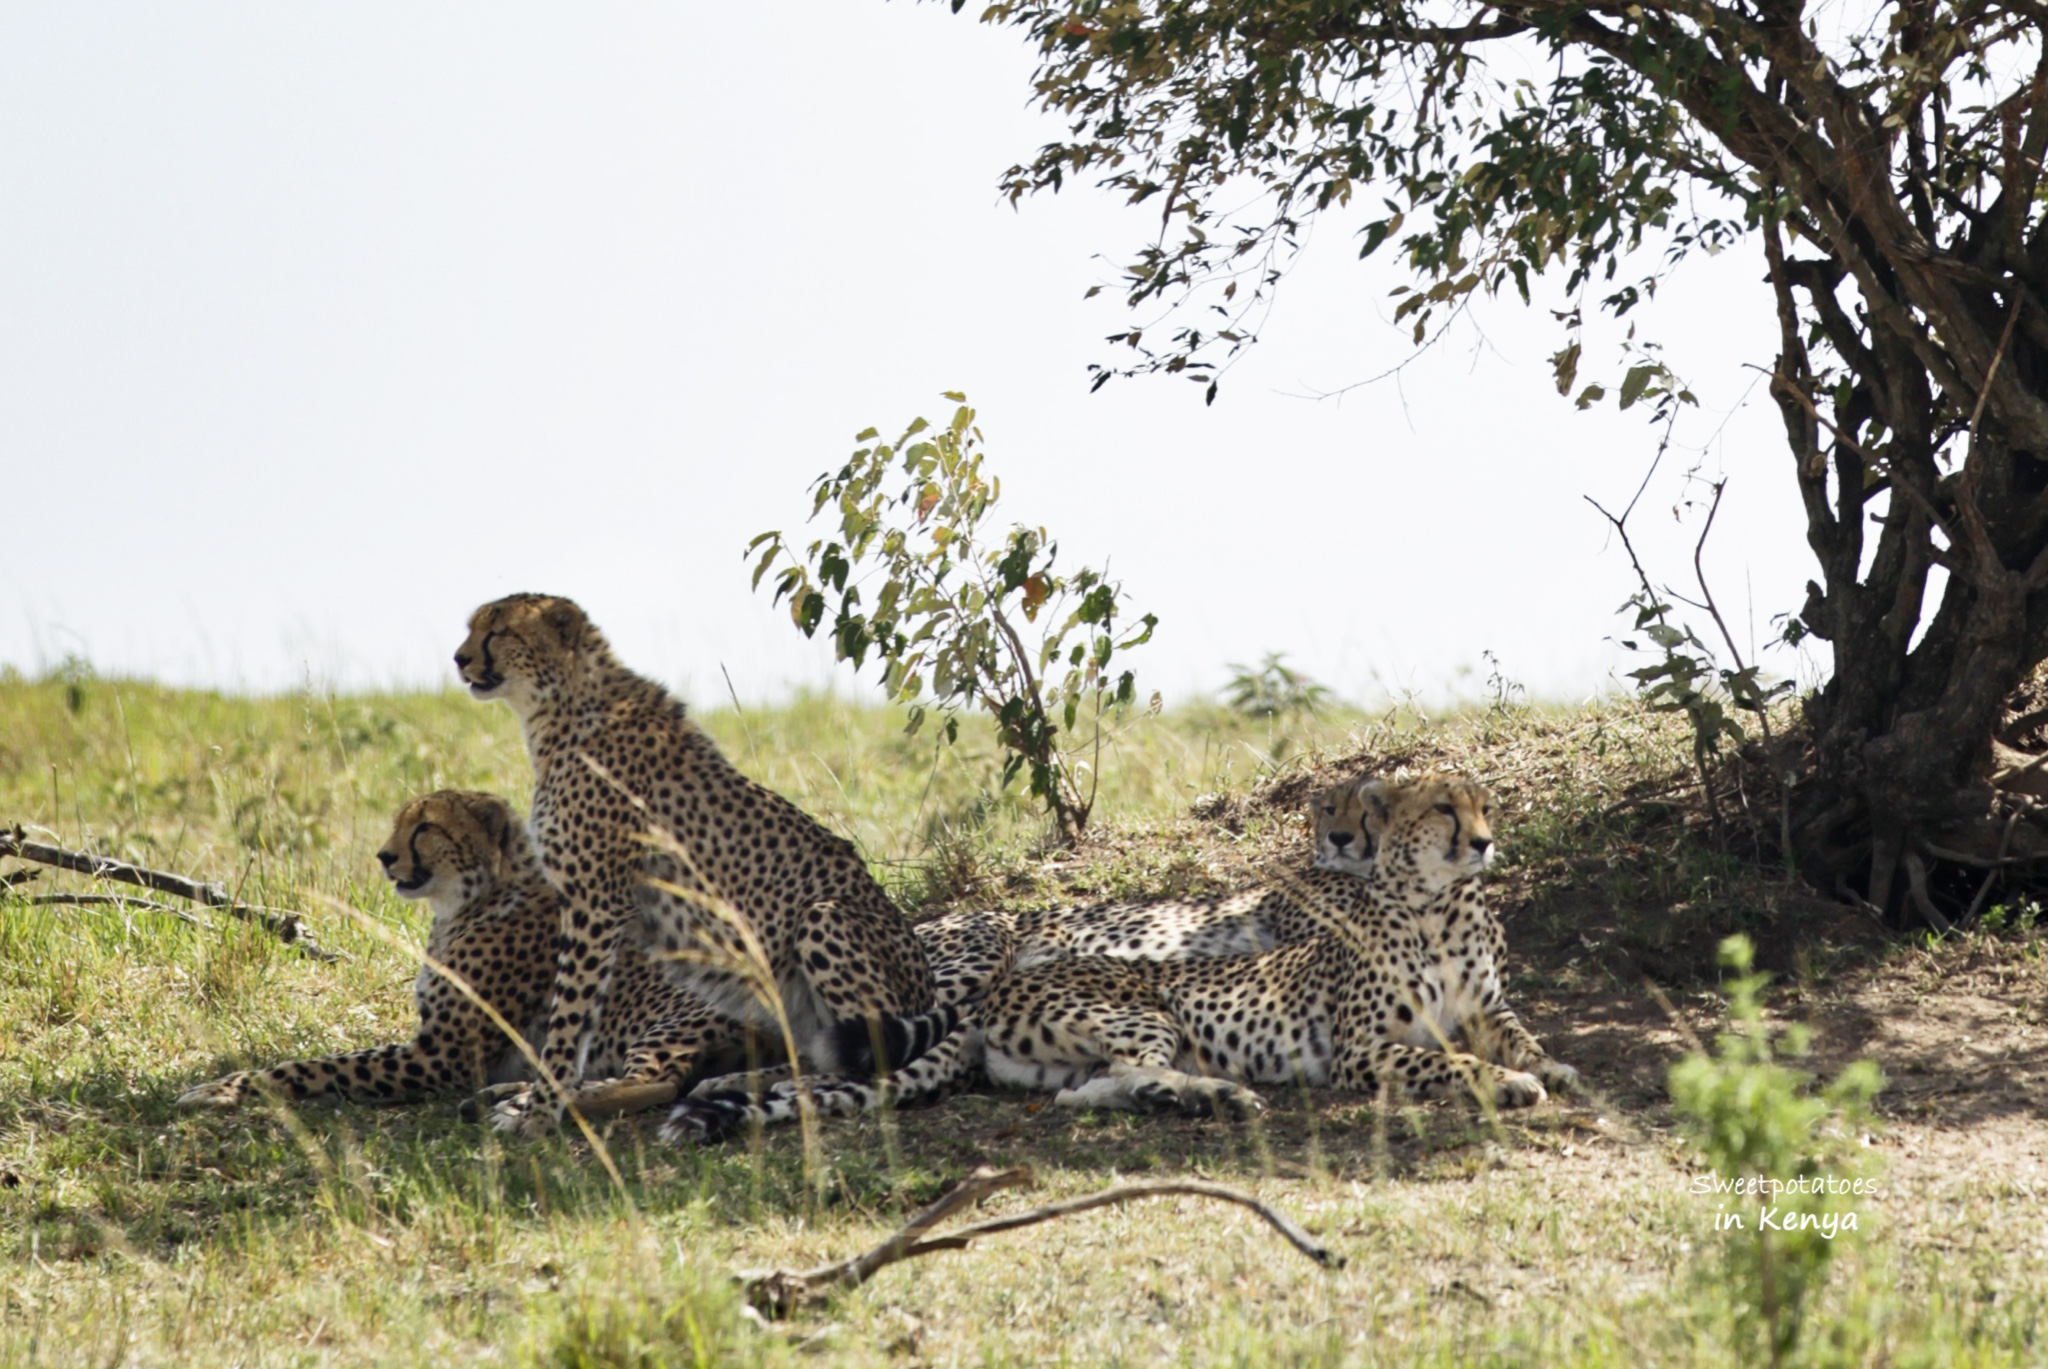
x=968, y=951
x=642, y=822
x=1261, y=918
x=1409, y=963
x=495, y=922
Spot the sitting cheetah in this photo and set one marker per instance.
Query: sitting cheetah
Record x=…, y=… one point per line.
x=969, y=950
x=1409, y=963
x=495, y=922
x=642, y=823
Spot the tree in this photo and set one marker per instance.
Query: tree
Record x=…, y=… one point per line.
x=952, y=601
x=1885, y=164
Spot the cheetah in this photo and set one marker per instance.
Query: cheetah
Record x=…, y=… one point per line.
x=1262, y=918
x=495, y=921
x=645, y=828
x=968, y=951
x=1409, y=963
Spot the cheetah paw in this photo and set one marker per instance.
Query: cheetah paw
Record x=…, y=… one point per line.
x=1514, y=1089
x=704, y=1121
x=1556, y=1074
x=229, y=1091
x=483, y=1102
x=1220, y=1097
x=525, y=1114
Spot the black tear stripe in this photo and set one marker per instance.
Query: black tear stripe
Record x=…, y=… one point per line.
x=412, y=845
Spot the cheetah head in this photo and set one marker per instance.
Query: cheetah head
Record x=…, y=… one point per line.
x=452, y=845
x=525, y=648
x=1429, y=833
x=1342, y=839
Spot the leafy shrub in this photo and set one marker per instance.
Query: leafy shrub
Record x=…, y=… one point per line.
x=953, y=603
x=1273, y=690
x=1766, y=1134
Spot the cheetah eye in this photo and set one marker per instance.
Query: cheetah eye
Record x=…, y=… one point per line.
x=1447, y=810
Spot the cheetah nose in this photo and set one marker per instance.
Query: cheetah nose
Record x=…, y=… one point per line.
x=387, y=858
x=1340, y=839
x=1480, y=845
x=462, y=660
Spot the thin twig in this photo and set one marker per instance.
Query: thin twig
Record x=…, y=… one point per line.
x=2004, y=845
x=15, y=877
x=286, y=927
x=1663, y=795
x=783, y=1291
x=122, y=901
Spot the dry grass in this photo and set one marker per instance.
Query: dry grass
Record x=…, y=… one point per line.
x=345, y=1235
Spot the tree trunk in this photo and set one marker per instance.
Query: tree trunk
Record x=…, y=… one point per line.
x=1910, y=774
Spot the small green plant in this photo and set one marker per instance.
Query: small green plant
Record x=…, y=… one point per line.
x=953, y=601
x=2019, y=917
x=639, y=1329
x=75, y=672
x=1504, y=694
x=1273, y=690
x=1768, y=1136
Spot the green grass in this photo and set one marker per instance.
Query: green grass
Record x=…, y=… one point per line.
x=131, y=1233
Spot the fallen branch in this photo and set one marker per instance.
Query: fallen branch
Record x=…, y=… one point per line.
x=286, y=927
x=780, y=1292
x=122, y=901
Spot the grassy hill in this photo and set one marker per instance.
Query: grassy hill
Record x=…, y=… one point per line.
x=340, y=1234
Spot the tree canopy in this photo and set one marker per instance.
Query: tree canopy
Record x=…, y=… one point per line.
x=1883, y=160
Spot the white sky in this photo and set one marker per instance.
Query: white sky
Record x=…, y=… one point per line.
x=321, y=324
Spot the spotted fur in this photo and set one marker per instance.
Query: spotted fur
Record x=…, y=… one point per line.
x=744, y=900
x=969, y=951
x=495, y=921
x=1410, y=965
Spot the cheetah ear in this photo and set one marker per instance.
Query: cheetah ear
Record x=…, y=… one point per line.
x=1379, y=810
x=565, y=620
x=501, y=826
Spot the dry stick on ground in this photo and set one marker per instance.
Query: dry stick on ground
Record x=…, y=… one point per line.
x=121, y=901
x=783, y=1291
x=286, y=927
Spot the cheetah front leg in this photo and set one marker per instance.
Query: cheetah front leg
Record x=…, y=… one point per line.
x=594, y=921
x=1495, y=1034
x=1418, y=1072
x=1097, y=1032
x=655, y=1060
x=376, y=1075
x=395, y=1073
x=1498, y=1036
x=452, y=1049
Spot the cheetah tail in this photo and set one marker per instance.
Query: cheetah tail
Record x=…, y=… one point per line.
x=901, y=1039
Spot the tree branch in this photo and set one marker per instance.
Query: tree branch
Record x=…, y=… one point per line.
x=121, y=901
x=783, y=1291
x=286, y=927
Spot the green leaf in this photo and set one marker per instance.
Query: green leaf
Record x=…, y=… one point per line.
x=1636, y=381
